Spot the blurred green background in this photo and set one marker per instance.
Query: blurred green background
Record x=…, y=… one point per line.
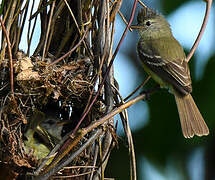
x=161, y=150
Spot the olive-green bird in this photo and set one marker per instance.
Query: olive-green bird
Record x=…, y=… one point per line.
x=163, y=59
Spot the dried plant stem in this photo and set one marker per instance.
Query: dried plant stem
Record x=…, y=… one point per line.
x=141, y=85
x=126, y=126
x=114, y=112
x=73, y=16
x=68, y=53
x=96, y=150
x=23, y=16
x=10, y=57
x=75, y=154
x=196, y=43
x=8, y=15
x=48, y=30
x=133, y=169
x=30, y=35
x=115, y=9
x=77, y=26
x=142, y=4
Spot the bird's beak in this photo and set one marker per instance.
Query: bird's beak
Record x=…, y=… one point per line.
x=137, y=26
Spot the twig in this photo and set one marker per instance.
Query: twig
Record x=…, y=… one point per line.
x=57, y=13
x=123, y=18
x=126, y=126
x=10, y=57
x=77, y=26
x=68, y=53
x=22, y=23
x=77, y=167
x=196, y=43
x=73, y=16
x=114, y=112
x=48, y=29
x=30, y=35
x=72, y=176
x=8, y=20
x=74, y=155
x=142, y=4
x=141, y=85
x=95, y=156
x=42, y=9
x=101, y=158
x=133, y=169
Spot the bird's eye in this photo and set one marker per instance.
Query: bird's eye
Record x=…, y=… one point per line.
x=148, y=23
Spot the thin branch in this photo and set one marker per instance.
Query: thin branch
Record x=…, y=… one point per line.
x=58, y=11
x=141, y=85
x=68, y=53
x=29, y=36
x=126, y=126
x=114, y=112
x=73, y=16
x=101, y=158
x=142, y=4
x=43, y=25
x=77, y=26
x=8, y=20
x=133, y=169
x=10, y=57
x=122, y=16
x=48, y=29
x=22, y=23
x=74, y=155
x=196, y=43
x=95, y=157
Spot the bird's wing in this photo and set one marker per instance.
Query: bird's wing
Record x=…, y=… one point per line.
x=171, y=67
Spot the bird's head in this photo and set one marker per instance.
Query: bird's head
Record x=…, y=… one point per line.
x=152, y=25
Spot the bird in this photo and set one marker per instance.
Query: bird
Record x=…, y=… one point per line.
x=163, y=58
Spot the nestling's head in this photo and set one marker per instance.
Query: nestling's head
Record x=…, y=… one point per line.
x=152, y=25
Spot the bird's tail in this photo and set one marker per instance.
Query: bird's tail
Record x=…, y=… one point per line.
x=192, y=122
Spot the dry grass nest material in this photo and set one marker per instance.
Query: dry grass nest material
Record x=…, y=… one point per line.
x=64, y=81
x=36, y=84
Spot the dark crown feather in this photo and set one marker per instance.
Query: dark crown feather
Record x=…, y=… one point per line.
x=146, y=13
